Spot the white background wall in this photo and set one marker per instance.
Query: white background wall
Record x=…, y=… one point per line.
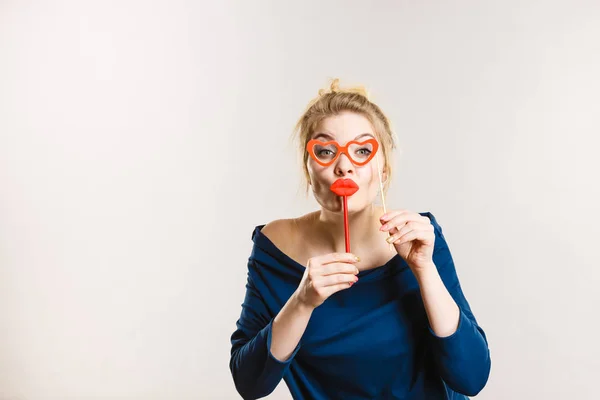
x=142, y=141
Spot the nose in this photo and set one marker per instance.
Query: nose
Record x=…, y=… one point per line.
x=343, y=166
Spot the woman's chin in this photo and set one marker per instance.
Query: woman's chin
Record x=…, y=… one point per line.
x=355, y=205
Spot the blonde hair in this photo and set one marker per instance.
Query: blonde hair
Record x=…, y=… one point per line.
x=333, y=101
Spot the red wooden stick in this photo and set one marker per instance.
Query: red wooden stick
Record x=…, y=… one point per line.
x=346, y=230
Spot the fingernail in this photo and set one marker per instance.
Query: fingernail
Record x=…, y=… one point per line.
x=383, y=227
x=390, y=239
x=357, y=258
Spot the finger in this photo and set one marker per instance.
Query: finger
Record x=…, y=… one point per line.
x=334, y=258
x=402, y=237
x=409, y=226
x=416, y=234
x=409, y=237
x=339, y=268
x=400, y=220
x=400, y=233
x=391, y=214
x=332, y=280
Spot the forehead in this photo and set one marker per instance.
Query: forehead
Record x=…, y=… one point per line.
x=345, y=126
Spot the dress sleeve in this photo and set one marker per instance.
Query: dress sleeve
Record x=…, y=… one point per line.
x=463, y=358
x=255, y=371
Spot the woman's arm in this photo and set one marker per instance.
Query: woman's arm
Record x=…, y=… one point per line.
x=288, y=327
x=255, y=370
x=263, y=346
x=442, y=312
x=459, y=344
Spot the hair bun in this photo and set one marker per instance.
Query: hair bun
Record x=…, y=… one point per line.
x=334, y=87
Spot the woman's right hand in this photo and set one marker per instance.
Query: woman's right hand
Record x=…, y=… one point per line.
x=325, y=275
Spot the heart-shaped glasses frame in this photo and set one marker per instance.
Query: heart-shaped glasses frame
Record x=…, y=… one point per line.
x=310, y=147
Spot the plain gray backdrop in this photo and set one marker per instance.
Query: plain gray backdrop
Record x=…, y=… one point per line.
x=142, y=141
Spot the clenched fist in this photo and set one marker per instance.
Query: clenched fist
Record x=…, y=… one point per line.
x=325, y=275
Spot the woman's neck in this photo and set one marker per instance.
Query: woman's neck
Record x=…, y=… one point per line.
x=363, y=228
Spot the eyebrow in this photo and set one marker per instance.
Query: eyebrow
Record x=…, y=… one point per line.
x=328, y=136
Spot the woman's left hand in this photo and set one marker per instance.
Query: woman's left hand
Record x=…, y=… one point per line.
x=413, y=237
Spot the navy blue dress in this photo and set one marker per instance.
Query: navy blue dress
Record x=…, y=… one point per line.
x=370, y=341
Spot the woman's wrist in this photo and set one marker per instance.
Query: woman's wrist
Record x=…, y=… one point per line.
x=425, y=272
x=300, y=306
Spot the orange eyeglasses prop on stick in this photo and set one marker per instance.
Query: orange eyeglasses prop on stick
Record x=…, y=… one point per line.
x=359, y=153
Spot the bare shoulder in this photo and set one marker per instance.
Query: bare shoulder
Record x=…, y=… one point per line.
x=277, y=229
x=284, y=233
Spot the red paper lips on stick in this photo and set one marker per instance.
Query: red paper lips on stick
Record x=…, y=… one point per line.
x=345, y=188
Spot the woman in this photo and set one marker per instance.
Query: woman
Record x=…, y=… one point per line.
x=381, y=322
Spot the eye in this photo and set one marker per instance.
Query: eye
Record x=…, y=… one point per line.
x=324, y=152
x=364, y=151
